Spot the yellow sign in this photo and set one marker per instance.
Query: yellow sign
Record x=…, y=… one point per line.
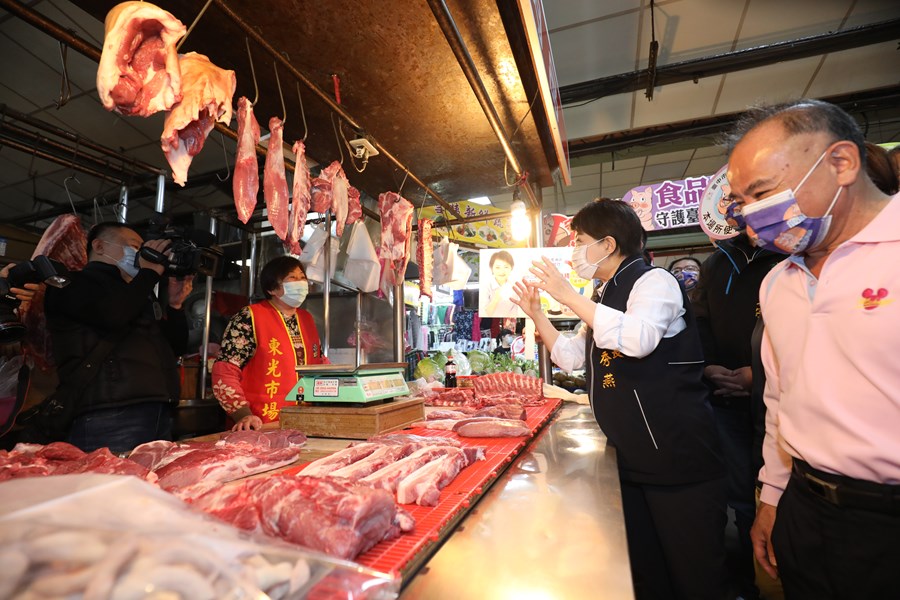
x=493, y=233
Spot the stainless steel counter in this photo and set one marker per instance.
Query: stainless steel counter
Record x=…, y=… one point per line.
x=550, y=527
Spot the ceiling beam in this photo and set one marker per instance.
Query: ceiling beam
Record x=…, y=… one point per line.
x=857, y=103
x=729, y=62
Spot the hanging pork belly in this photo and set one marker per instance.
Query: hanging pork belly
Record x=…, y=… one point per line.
x=207, y=91
x=301, y=202
x=396, y=236
x=139, y=73
x=354, y=206
x=275, y=187
x=425, y=257
x=246, y=170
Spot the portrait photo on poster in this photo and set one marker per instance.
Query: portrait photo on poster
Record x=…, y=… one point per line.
x=500, y=270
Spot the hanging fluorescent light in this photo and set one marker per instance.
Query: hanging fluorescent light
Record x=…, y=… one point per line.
x=519, y=222
x=482, y=200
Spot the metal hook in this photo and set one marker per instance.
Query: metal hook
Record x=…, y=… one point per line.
x=252, y=72
x=280, y=94
x=194, y=24
x=227, y=164
x=402, y=183
x=65, y=86
x=337, y=138
x=302, y=114
x=69, y=194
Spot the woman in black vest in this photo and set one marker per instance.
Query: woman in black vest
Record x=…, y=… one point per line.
x=645, y=367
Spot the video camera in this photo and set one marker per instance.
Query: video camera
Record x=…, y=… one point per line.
x=38, y=270
x=191, y=250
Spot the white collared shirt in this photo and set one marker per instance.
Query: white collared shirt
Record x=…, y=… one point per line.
x=655, y=310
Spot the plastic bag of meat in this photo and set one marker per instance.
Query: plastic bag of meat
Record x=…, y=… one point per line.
x=139, y=73
x=313, y=255
x=361, y=268
x=102, y=536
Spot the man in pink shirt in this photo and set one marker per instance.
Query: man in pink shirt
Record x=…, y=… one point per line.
x=831, y=345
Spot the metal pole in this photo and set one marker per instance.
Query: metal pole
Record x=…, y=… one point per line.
x=254, y=241
x=359, y=351
x=545, y=367
x=122, y=206
x=326, y=286
x=204, y=368
x=160, y=193
x=399, y=323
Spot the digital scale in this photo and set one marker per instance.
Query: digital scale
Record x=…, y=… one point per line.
x=349, y=384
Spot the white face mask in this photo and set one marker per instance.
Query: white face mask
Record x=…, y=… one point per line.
x=295, y=292
x=582, y=267
x=128, y=262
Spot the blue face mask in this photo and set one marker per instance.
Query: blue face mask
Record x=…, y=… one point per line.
x=128, y=262
x=295, y=292
x=688, y=279
x=776, y=223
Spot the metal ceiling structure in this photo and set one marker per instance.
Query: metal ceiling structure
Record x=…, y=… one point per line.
x=403, y=83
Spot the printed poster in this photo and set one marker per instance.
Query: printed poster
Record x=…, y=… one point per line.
x=499, y=270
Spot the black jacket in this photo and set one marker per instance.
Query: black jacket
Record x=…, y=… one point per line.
x=727, y=301
x=654, y=410
x=97, y=303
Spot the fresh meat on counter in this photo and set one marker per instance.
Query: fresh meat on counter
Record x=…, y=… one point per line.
x=425, y=257
x=246, y=170
x=239, y=454
x=498, y=388
x=383, y=456
x=436, y=415
x=139, y=73
x=423, y=486
x=453, y=398
x=275, y=188
x=390, y=476
x=403, y=438
x=329, y=515
x=504, y=411
x=60, y=458
x=340, y=459
x=66, y=242
x=206, y=93
x=492, y=428
x=300, y=205
x=396, y=235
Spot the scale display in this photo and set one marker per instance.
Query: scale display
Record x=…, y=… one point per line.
x=343, y=383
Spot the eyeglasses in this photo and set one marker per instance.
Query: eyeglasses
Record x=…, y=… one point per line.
x=688, y=269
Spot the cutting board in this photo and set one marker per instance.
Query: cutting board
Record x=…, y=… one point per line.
x=352, y=422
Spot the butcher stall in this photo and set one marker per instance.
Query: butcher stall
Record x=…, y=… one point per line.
x=374, y=111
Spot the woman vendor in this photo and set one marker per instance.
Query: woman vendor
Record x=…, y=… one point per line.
x=645, y=366
x=262, y=346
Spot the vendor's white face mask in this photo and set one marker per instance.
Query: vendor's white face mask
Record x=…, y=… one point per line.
x=295, y=292
x=582, y=267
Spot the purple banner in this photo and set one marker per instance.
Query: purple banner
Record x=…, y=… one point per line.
x=668, y=205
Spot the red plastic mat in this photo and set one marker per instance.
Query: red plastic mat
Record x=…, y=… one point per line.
x=398, y=556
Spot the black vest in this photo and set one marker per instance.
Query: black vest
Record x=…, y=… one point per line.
x=655, y=410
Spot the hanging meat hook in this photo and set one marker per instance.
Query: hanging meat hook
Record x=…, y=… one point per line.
x=402, y=183
x=280, y=94
x=337, y=137
x=302, y=114
x=252, y=72
x=68, y=193
x=194, y=24
x=227, y=164
x=65, y=86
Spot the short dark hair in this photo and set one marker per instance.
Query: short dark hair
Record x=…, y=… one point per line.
x=502, y=255
x=681, y=258
x=274, y=272
x=802, y=116
x=611, y=218
x=100, y=230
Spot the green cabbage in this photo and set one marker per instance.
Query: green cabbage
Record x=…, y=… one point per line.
x=481, y=361
x=429, y=370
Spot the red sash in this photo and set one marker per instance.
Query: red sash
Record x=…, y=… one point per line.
x=270, y=374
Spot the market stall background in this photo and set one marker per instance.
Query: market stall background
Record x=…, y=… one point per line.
x=400, y=80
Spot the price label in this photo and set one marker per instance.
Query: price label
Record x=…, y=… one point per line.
x=326, y=388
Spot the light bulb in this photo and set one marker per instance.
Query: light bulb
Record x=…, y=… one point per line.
x=519, y=221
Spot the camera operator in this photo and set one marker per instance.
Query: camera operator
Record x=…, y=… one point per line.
x=111, y=305
x=23, y=295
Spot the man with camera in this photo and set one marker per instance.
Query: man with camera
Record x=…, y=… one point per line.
x=115, y=344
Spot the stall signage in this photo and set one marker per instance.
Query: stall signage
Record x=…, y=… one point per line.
x=714, y=205
x=493, y=233
x=668, y=205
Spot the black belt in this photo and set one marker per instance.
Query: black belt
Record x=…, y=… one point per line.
x=847, y=492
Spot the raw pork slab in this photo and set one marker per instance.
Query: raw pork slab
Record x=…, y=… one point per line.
x=245, y=184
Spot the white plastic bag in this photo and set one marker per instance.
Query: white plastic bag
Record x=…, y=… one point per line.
x=461, y=273
x=444, y=263
x=313, y=255
x=362, y=269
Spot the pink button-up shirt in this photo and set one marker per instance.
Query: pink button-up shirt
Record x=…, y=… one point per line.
x=832, y=357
